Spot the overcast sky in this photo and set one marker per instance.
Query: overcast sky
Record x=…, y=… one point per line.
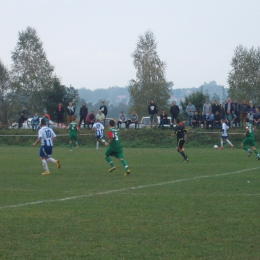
x=90, y=42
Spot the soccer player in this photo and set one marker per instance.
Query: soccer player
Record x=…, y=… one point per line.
x=115, y=148
x=179, y=132
x=250, y=140
x=46, y=136
x=224, y=135
x=99, y=128
x=74, y=129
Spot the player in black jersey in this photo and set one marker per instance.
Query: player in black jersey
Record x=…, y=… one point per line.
x=179, y=132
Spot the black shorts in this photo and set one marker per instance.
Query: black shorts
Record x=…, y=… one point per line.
x=180, y=143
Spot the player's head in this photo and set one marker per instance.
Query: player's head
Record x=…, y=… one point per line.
x=178, y=121
x=98, y=120
x=43, y=122
x=112, y=123
x=73, y=118
x=247, y=120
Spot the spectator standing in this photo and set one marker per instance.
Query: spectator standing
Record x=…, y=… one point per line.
x=207, y=108
x=229, y=106
x=100, y=116
x=103, y=108
x=217, y=119
x=250, y=107
x=256, y=117
x=237, y=108
x=23, y=116
x=70, y=112
x=250, y=116
x=35, y=121
x=122, y=119
x=174, y=111
x=222, y=112
x=190, y=109
x=83, y=113
x=163, y=119
x=91, y=118
x=215, y=107
x=60, y=115
x=134, y=119
x=152, y=111
x=243, y=112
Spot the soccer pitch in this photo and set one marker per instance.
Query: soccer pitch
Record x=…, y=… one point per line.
x=207, y=208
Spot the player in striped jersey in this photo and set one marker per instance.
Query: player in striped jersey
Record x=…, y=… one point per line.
x=46, y=137
x=99, y=128
x=224, y=135
x=74, y=130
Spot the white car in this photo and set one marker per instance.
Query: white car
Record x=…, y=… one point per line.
x=28, y=124
x=145, y=122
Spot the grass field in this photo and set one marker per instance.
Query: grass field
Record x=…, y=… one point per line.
x=207, y=208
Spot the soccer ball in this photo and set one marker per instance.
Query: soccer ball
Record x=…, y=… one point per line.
x=215, y=146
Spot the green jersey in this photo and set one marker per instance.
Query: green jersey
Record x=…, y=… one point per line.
x=73, y=127
x=115, y=145
x=250, y=130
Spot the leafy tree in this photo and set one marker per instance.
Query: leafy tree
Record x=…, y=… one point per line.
x=31, y=72
x=150, y=82
x=244, y=78
x=197, y=98
x=59, y=94
x=5, y=101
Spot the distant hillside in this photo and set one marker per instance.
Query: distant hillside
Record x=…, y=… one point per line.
x=211, y=88
x=116, y=94
x=112, y=94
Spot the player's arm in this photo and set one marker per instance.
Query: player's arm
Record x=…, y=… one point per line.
x=36, y=142
x=110, y=136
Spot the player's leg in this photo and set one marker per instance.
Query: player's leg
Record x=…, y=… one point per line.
x=255, y=150
x=232, y=146
x=244, y=145
x=221, y=144
x=108, y=159
x=124, y=163
x=180, y=144
x=43, y=156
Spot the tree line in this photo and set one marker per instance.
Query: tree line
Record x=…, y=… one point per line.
x=31, y=80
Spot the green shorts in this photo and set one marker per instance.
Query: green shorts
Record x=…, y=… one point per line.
x=117, y=154
x=249, y=141
x=153, y=118
x=73, y=137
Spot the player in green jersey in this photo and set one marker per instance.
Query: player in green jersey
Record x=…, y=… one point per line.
x=74, y=130
x=115, y=148
x=249, y=140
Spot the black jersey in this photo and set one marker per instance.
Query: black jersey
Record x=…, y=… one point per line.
x=179, y=131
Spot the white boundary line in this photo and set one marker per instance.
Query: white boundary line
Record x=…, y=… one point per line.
x=124, y=189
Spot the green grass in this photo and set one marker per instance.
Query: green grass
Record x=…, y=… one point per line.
x=207, y=208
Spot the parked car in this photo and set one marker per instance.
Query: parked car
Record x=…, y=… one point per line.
x=28, y=124
x=145, y=122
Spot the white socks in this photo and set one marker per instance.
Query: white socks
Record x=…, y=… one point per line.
x=45, y=165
